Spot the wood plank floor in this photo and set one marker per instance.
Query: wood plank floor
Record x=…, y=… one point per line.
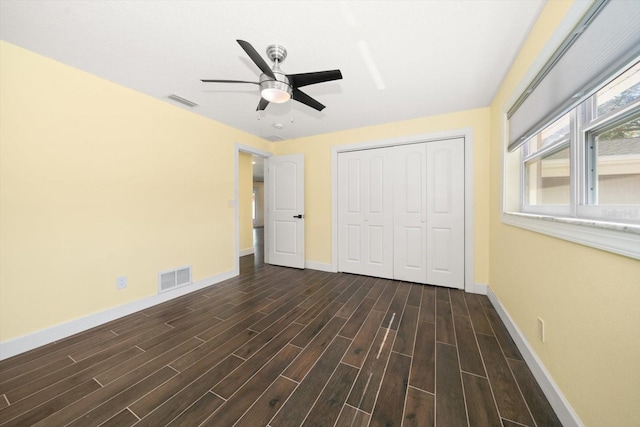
x=284, y=347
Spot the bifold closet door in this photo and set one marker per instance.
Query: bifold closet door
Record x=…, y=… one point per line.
x=401, y=212
x=409, y=212
x=365, y=216
x=382, y=212
x=445, y=213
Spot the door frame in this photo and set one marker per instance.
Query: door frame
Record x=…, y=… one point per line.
x=467, y=134
x=236, y=197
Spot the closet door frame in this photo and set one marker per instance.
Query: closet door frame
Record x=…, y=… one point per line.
x=467, y=134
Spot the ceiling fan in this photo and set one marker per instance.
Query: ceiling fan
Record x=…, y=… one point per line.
x=277, y=87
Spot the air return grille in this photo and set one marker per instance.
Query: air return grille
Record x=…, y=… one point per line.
x=172, y=279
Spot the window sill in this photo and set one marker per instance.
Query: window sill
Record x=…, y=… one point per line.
x=622, y=239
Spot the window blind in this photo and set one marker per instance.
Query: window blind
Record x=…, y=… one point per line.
x=606, y=39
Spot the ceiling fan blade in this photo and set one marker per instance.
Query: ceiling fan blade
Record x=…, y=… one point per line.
x=300, y=96
x=228, y=81
x=256, y=58
x=262, y=104
x=304, y=79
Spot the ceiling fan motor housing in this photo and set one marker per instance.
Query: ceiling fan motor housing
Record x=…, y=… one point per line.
x=279, y=90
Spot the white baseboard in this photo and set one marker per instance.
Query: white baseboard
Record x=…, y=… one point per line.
x=247, y=251
x=558, y=402
x=477, y=288
x=45, y=336
x=321, y=266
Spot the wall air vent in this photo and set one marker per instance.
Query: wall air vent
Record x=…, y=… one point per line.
x=273, y=138
x=181, y=100
x=172, y=279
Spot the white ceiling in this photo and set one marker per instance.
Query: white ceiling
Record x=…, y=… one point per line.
x=431, y=57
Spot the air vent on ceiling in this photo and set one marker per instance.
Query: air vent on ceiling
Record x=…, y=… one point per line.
x=172, y=279
x=181, y=100
x=273, y=138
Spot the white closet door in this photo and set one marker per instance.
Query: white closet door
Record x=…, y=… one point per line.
x=401, y=212
x=365, y=216
x=445, y=213
x=409, y=207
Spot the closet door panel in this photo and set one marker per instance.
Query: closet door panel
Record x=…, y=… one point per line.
x=353, y=197
x=378, y=218
x=441, y=256
x=409, y=211
x=413, y=238
x=353, y=239
x=350, y=212
x=445, y=213
x=376, y=245
x=375, y=202
x=365, y=213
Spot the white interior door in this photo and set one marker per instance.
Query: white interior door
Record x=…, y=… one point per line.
x=365, y=234
x=410, y=213
x=445, y=213
x=285, y=210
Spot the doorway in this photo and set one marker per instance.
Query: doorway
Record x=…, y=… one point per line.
x=257, y=208
x=249, y=210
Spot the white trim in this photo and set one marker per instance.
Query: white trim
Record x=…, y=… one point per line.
x=45, y=336
x=558, y=402
x=467, y=134
x=469, y=219
x=320, y=266
x=247, y=251
x=584, y=232
x=478, y=288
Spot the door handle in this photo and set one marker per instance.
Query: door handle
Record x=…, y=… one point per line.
x=299, y=216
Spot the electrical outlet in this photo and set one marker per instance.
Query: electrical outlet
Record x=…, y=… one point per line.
x=540, y=328
x=121, y=282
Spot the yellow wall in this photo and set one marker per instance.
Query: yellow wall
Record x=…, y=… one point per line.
x=589, y=299
x=317, y=152
x=245, y=198
x=98, y=181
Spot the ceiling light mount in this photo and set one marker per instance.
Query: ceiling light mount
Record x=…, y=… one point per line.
x=277, y=53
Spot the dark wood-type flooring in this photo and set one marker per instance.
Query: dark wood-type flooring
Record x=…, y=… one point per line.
x=284, y=347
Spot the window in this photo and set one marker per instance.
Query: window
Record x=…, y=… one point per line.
x=572, y=165
x=546, y=166
x=586, y=164
x=613, y=147
x=615, y=165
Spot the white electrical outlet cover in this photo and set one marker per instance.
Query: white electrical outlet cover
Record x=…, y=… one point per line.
x=121, y=282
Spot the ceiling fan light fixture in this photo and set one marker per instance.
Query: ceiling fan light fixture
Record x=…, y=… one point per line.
x=275, y=91
x=277, y=87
